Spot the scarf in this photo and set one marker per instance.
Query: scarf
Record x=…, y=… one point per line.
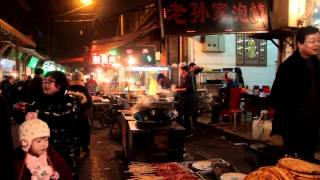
x=39, y=167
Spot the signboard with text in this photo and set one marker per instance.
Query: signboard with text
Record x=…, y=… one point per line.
x=191, y=17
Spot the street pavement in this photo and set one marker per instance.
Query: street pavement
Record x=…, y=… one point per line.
x=106, y=160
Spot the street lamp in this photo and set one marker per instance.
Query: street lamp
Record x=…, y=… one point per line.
x=86, y=2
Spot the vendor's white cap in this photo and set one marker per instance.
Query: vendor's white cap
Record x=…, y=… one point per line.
x=183, y=64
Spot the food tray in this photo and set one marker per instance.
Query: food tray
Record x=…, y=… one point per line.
x=219, y=167
x=161, y=171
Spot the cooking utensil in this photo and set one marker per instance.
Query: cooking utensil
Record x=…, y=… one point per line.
x=155, y=117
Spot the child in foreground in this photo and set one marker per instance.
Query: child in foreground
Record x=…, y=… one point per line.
x=36, y=160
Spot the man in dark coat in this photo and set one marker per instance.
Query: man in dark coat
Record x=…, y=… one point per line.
x=35, y=90
x=295, y=96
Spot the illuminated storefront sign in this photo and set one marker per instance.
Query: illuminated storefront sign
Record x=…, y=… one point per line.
x=214, y=16
x=33, y=62
x=49, y=66
x=103, y=59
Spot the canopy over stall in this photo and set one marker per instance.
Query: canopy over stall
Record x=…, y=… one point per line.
x=6, y=30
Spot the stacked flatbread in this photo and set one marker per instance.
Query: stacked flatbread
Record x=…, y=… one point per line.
x=287, y=169
x=300, y=169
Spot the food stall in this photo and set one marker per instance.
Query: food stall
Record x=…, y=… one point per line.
x=149, y=136
x=138, y=81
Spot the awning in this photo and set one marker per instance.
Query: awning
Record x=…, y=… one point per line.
x=6, y=28
x=33, y=52
x=129, y=39
x=280, y=34
x=276, y=34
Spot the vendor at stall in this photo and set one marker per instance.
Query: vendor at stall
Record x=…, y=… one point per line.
x=187, y=96
x=163, y=81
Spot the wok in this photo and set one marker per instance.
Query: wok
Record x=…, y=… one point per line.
x=155, y=117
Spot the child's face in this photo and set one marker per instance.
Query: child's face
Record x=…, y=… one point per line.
x=39, y=146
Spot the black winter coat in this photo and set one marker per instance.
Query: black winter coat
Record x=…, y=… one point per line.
x=60, y=111
x=290, y=90
x=289, y=93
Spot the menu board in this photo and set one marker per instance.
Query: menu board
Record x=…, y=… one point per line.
x=191, y=17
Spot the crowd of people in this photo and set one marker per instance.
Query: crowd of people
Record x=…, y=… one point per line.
x=49, y=105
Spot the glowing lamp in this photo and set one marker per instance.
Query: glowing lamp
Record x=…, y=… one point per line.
x=131, y=61
x=129, y=51
x=98, y=71
x=113, y=52
x=86, y=2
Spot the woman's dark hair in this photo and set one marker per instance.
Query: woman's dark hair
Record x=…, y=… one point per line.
x=238, y=70
x=61, y=79
x=239, y=76
x=160, y=76
x=304, y=31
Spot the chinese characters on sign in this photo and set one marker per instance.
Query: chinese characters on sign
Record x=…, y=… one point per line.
x=103, y=59
x=250, y=51
x=214, y=16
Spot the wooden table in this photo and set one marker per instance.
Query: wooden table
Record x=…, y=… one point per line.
x=165, y=141
x=255, y=103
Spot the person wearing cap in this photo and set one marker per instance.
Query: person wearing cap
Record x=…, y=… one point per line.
x=35, y=159
x=77, y=88
x=187, y=92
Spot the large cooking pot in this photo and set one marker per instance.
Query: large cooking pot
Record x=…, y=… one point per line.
x=155, y=117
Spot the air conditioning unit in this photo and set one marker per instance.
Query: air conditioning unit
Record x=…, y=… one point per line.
x=213, y=43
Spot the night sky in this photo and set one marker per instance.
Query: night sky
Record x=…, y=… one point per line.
x=60, y=34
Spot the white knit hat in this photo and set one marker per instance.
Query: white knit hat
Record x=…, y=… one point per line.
x=30, y=130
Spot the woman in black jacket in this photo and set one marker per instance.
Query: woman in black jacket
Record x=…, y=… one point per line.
x=60, y=111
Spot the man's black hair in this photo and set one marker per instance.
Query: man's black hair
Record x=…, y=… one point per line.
x=192, y=64
x=303, y=32
x=38, y=71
